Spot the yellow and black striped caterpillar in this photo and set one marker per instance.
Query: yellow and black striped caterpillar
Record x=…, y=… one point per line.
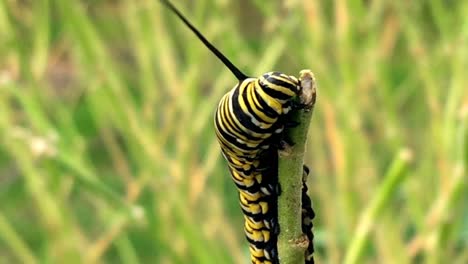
x=249, y=123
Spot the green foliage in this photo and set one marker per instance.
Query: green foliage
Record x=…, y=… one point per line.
x=107, y=149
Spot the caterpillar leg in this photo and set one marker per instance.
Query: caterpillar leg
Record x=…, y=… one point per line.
x=278, y=139
x=308, y=215
x=282, y=142
x=291, y=124
x=298, y=105
x=305, y=172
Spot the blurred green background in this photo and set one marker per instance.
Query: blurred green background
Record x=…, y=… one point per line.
x=107, y=149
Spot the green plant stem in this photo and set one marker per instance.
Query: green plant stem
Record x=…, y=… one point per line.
x=291, y=241
x=392, y=180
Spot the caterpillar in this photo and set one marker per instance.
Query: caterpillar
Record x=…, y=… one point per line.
x=249, y=123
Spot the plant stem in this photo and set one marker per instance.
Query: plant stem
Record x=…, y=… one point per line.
x=291, y=241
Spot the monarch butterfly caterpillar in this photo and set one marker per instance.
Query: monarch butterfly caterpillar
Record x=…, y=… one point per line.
x=249, y=123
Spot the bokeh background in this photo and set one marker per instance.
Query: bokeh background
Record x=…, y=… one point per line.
x=107, y=149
